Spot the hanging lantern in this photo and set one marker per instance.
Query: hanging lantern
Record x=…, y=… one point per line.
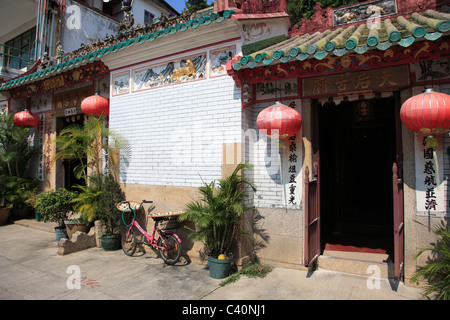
x=279, y=121
x=95, y=105
x=25, y=119
x=428, y=114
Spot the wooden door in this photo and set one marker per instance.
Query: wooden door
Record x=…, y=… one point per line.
x=398, y=221
x=397, y=187
x=312, y=217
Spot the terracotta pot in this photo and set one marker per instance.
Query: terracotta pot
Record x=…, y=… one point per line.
x=4, y=215
x=74, y=227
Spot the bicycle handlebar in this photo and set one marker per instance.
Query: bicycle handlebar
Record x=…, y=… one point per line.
x=132, y=209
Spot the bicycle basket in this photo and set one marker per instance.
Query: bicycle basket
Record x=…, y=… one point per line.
x=127, y=206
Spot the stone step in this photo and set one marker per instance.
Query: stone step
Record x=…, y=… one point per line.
x=365, y=264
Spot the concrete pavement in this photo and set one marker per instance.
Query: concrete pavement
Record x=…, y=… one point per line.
x=31, y=269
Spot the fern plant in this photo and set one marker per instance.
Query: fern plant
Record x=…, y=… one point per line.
x=437, y=271
x=217, y=215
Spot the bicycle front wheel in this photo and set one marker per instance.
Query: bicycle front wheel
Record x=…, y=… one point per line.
x=129, y=242
x=170, y=250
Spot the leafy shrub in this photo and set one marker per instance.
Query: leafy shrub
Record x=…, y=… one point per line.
x=437, y=271
x=107, y=212
x=54, y=206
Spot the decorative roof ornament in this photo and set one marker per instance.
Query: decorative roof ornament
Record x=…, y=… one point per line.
x=128, y=19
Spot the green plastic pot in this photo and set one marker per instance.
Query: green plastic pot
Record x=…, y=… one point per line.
x=111, y=242
x=219, y=268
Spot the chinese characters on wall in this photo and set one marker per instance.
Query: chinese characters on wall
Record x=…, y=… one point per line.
x=41, y=135
x=354, y=82
x=292, y=165
x=429, y=178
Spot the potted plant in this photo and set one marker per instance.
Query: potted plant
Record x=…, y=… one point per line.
x=217, y=216
x=15, y=156
x=77, y=224
x=107, y=212
x=17, y=192
x=437, y=270
x=4, y=207
x=54, y=206
x=31, y=201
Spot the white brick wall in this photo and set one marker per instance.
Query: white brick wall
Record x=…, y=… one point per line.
x=176, y=132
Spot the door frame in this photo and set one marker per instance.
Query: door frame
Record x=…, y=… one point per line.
x=312, y=247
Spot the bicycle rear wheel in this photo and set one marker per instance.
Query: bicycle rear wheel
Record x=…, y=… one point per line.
x=129, y=242
x=171, y=248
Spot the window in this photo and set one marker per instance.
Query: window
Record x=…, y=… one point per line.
x=148, y=17
x=18, y=52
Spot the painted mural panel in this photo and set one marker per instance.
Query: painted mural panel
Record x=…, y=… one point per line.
x=3, y=107
x=219, y=58
x=186, y=69
x=121, y=83
x=366, y=11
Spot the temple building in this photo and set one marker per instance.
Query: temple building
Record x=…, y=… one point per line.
x=186, y=91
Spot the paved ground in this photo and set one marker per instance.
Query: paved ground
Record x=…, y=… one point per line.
x=31, y=269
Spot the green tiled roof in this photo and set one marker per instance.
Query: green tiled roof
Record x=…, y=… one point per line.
x=98, y=54
x=430, y=25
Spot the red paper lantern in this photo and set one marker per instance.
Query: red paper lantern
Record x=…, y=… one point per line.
x=95, y=105
x=25, y=119
x=279, y=121
x=427, y=113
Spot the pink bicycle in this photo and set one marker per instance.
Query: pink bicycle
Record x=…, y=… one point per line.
x=168, y=242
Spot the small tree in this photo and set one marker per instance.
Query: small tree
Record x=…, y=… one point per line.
x=111, y=194
x=54, y=206
x=196, y=5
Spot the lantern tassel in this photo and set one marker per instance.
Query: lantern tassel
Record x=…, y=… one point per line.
x=431, y=141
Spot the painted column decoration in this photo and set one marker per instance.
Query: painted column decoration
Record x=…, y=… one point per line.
x=41, y=133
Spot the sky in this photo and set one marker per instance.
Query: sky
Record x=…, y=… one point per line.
x=179, y=5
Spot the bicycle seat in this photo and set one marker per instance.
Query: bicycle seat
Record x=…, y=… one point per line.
x=127, y=206
x=162, y=215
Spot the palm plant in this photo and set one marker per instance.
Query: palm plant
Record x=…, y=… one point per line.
x=15, y=159
x=84, y=143
x=87, y=143
x=15, y=152
x=217, y=215
x=437, y=271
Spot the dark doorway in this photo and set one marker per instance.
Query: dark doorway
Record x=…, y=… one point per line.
x=357, y=149
x=70, y=180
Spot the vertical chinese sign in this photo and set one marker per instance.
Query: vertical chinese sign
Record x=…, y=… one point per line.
x=292, y=165
x=430, y=182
